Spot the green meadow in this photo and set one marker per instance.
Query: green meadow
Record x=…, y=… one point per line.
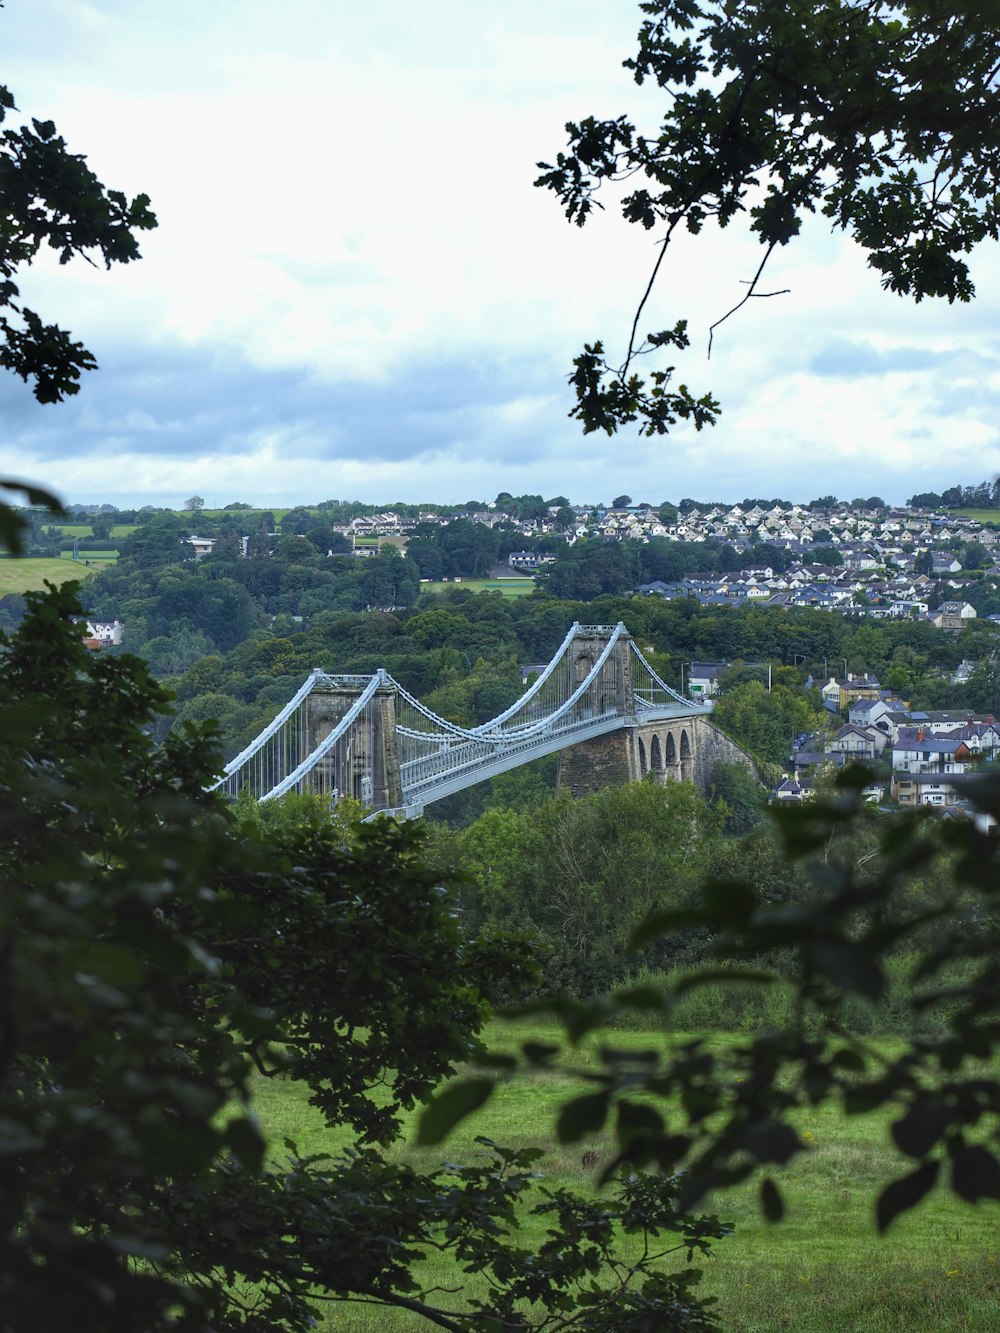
x=29, y=574
x=85, y=529
x=823, y=1269
x=505, y=587
x=990, y=516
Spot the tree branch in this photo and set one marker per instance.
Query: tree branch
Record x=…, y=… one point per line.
x=749, y=293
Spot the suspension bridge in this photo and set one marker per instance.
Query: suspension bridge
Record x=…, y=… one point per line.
x=598, y=702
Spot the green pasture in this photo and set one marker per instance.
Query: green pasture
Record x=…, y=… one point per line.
x=505, y=587
x=28, y=573
x=991, y=516
x=278, y=513
x=85, y=529
x=91, y=558
x=824, y=1269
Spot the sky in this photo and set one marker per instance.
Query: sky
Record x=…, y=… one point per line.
x=355, y=292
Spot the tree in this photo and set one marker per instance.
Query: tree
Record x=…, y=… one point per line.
x=158, y=947
x=737, y=797
x=194, y=506
x=734, y=1112
x=975, y=556
x=881, y=117
x=827, y=555
x=765, y=721
x=577, y=871
x=50, y=198
x=621, y=502
x=101, y=525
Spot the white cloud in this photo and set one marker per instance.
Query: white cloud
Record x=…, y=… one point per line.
x=348, y=228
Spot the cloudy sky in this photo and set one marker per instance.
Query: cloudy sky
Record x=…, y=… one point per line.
x=355, y=292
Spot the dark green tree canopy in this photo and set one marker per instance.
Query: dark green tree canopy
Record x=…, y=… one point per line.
x=882, y=117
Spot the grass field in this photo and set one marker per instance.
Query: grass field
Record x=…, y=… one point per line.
x=85, y=530
x=28, y=574
x=823, y=1269
x=981, y=515
x=505, y=587
x=278, y=513
x=91, y=557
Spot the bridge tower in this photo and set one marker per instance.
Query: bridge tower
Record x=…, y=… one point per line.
x=366, y=766
x=610, y=760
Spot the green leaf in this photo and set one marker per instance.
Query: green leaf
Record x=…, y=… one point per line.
x=771, y=1141
x=641, y=998
x=848, y=965
x=444, y=1111
x=658, y=924
x=847, y=1059
x=495, y=1060
x=634, y=1120
x=710, y=975
x=245, y=1141
x=730, y=902
x=583, y=1115
x=975, y=1173
x=921, y=1128
x=905, y=1193
x=771, y=1202
x=539, y=1051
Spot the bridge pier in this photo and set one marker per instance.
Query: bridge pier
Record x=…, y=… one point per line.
x=673, y=750
x=605, y=761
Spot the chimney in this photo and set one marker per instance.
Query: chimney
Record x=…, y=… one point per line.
x=920, y=733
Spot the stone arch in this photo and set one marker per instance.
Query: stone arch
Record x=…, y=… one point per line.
x=671, y=749
x=643, y=769
x=655, y=755
x=687, y=757
x=583, y=668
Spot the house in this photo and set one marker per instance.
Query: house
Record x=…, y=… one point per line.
x=940, y=721
x=703, y=679
x=104, y=633
x=202, y=546
x=789, y=790
x=943, y=562
x=870, y=713
x=857, y=743
x=839, y=693
x=912, y=789
x=929, y=754
x=952, y=615
x=524, y=560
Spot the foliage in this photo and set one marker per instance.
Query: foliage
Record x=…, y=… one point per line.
x=49, y=197
x=732, y=1111
x=159, y=950
x=578, y=872
x=764, y=721
x=736, y=797
x=983, y=495
x=881, y=117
